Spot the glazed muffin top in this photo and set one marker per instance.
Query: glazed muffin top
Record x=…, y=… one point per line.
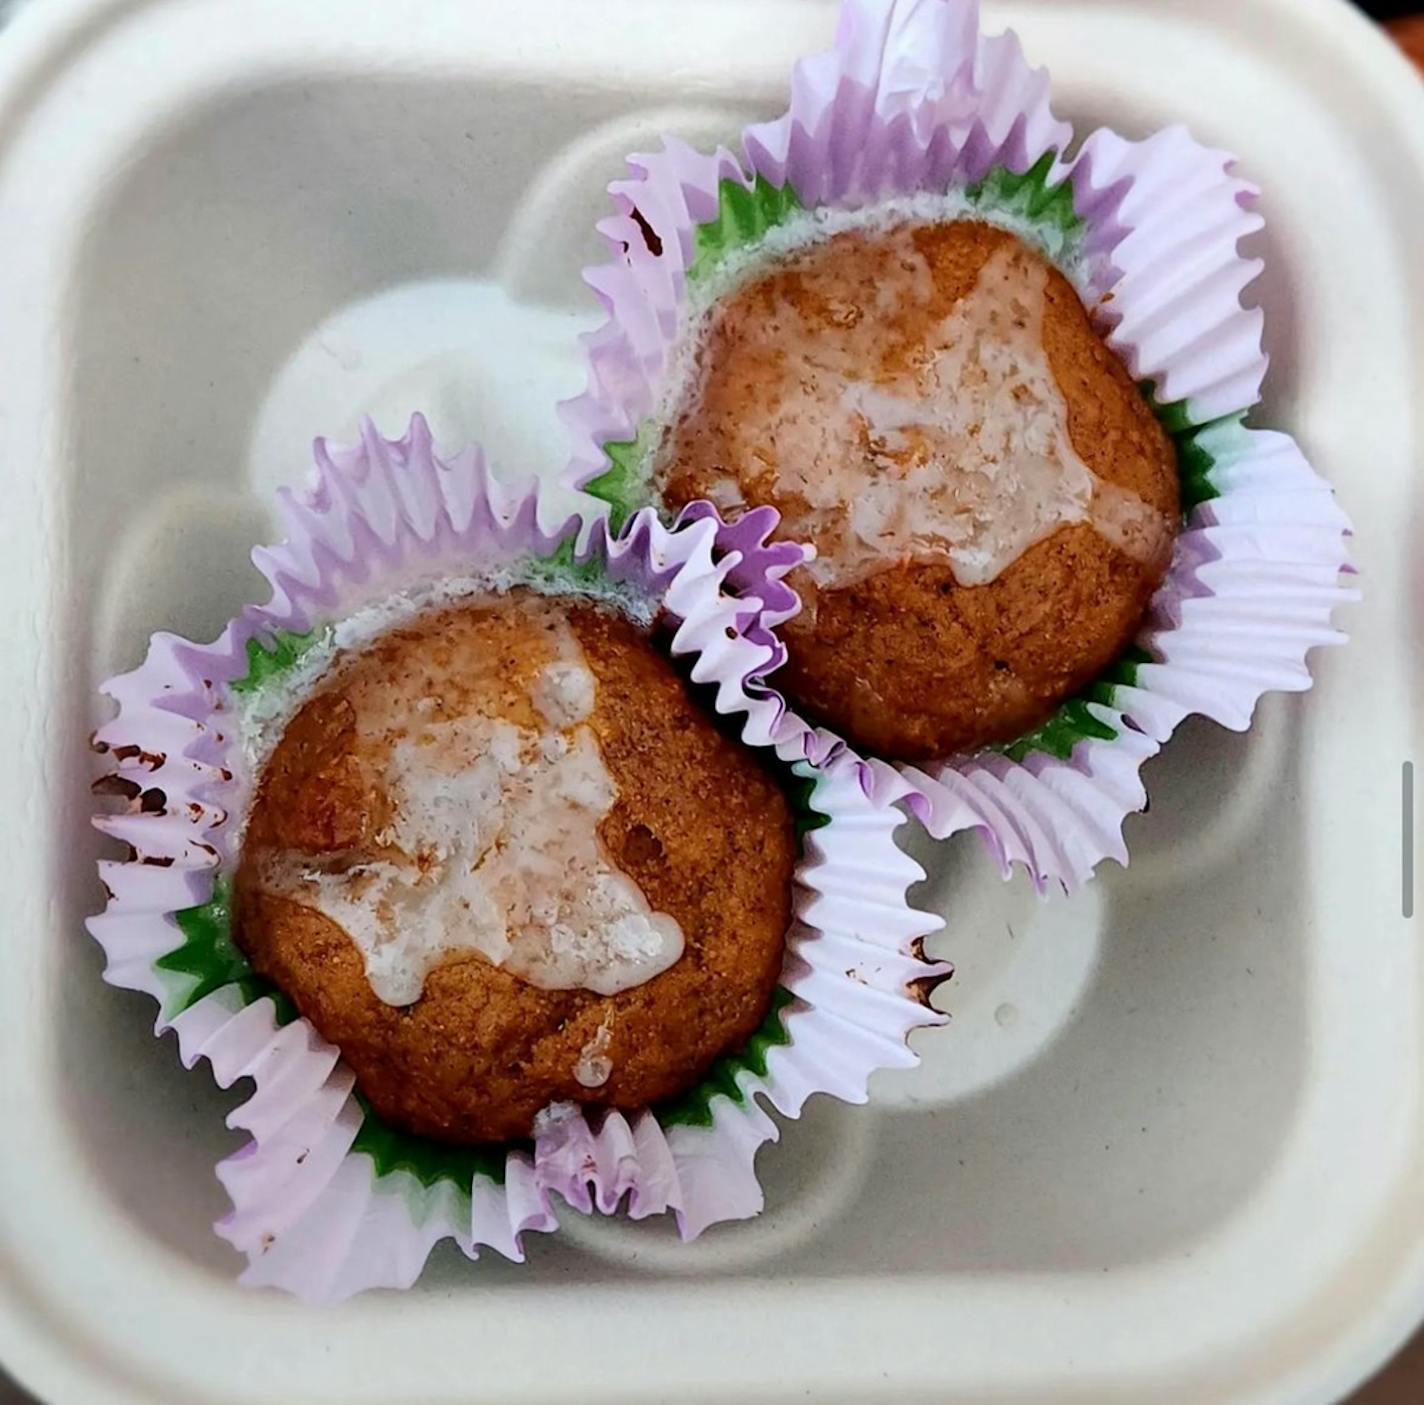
x=928, y=404
x=501, y=860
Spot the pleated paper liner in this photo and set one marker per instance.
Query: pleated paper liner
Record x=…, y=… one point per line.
x=326, y=1199
x=915, y=105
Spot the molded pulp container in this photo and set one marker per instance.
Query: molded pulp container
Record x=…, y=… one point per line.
x=1170, y=1147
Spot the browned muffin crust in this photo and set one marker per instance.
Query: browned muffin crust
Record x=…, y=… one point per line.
x=909, y=663
x=699, y=824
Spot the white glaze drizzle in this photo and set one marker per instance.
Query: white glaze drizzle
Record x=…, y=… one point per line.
x=494, y=849
x=962, y=456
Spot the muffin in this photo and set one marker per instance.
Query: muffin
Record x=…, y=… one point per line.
x=502, y=861
x=992, y=501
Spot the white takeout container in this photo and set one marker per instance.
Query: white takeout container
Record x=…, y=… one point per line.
x=1171, y=1146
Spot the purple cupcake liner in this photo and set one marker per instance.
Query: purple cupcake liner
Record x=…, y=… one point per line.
x=912, y=100
x=309, y=1208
